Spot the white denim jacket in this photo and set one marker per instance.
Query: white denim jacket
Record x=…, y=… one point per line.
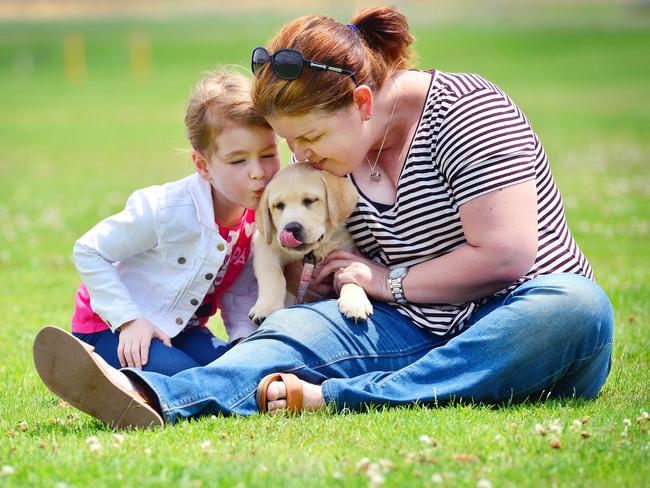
x=157, y=258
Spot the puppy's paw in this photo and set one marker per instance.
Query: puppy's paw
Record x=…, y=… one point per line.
x=260, y=311
x=355, y=308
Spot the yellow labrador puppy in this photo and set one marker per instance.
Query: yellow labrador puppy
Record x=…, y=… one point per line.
x=302, y=210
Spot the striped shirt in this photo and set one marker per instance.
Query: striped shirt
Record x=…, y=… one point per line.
x=471, y=140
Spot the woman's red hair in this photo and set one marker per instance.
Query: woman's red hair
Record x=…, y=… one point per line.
x=380, y=44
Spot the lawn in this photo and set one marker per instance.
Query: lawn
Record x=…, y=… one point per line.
x=72, y=150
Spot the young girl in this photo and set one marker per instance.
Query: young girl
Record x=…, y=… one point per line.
x=154, y=273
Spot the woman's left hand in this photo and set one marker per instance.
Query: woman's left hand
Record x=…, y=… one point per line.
x=352, y=267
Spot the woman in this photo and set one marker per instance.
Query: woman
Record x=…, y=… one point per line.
x=480, y=290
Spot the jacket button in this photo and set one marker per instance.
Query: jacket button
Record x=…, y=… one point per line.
x=209, y=276
x=194, y=301
x=179, y=321
x=182, y=260
x=221, y=246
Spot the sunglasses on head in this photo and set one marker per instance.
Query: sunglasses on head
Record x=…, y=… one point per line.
x=288, y=64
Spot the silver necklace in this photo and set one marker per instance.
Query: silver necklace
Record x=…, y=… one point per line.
x=375, y=175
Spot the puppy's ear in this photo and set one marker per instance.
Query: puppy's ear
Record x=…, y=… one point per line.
x=341, y=196
x=263, y=218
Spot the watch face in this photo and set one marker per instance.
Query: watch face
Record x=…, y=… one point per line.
x=397, y=272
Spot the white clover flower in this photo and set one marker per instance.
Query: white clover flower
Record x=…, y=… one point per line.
x=483, y=483
x=206, y=446
x=577, y=423
x=645, y=415
x=8, y=470
x=92, y=440
x=363, y=464
x=377, y=480
x=555, y=426
x=386, y=464
x=498, y=437
x=436, y=478
x=118, y=438
x=425, y=439
x=147, y=451
x=373, y=469
x=95, y=448
x=539, y=428
x=627, y=422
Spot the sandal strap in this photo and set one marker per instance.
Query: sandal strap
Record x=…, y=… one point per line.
x=294, y=392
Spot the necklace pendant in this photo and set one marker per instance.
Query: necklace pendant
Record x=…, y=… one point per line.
x=375, y=176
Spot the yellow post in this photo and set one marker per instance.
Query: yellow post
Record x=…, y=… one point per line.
x=140, y=56
x=74, y=58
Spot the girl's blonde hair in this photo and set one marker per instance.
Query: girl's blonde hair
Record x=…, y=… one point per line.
x=376, y=44
x=219, y=99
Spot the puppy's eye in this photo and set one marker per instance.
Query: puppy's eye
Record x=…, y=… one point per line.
x=279, y=206
x=307, y=202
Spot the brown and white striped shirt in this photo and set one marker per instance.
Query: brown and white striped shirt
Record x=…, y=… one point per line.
x=471, y=140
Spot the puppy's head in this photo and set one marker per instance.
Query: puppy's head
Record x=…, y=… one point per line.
x=301, y=205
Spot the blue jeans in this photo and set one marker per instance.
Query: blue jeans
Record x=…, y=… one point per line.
x=191, y=348
x=551, y=337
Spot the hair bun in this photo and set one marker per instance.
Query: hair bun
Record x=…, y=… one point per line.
x=386, y=31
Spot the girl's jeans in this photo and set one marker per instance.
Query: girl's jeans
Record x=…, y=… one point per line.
x=551, y=337
x=191, y=348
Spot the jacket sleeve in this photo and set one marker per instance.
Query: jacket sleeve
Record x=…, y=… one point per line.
x=237, y=302
x=130, y=232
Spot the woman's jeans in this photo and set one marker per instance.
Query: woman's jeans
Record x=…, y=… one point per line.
x=191, y=348
x=551, y=337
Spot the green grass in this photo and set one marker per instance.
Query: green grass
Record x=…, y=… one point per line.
x=72, y=153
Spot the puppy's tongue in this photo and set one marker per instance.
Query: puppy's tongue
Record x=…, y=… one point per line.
x=288, y=239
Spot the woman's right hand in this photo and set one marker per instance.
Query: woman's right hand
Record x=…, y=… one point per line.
x=135, y=340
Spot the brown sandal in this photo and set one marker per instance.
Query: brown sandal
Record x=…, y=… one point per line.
x=70, y=370
x=294, y=391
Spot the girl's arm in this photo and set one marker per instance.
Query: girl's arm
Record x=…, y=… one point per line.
x=237, y=302
x=114, y=239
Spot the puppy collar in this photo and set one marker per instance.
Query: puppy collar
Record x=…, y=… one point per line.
x=308, y=264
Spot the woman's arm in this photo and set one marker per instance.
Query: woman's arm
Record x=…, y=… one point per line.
x=500, y=228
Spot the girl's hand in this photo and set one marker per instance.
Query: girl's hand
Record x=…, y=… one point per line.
x=352, y=267
x=135, y=339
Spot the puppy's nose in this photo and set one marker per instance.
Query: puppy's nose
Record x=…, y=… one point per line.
x=294, y=227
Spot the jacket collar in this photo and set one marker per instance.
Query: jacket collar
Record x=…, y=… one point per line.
x=201, y=192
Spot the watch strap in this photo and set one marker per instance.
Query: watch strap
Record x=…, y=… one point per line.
x=395, y=285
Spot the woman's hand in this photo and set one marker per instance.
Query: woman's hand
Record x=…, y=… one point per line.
x=135, y=340
x=352, y=267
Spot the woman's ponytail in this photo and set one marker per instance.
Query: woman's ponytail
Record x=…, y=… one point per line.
x=386, y=32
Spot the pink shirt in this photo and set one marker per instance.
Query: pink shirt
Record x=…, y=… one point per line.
x=85, y=321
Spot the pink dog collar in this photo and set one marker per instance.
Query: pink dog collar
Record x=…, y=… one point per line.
x=308, y=264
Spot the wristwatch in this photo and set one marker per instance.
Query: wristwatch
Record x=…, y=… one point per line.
x=395, y=278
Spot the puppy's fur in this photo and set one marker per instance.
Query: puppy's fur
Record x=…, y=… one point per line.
x=313, y=206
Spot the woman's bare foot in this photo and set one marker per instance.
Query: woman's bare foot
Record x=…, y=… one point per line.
x=276, y=395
